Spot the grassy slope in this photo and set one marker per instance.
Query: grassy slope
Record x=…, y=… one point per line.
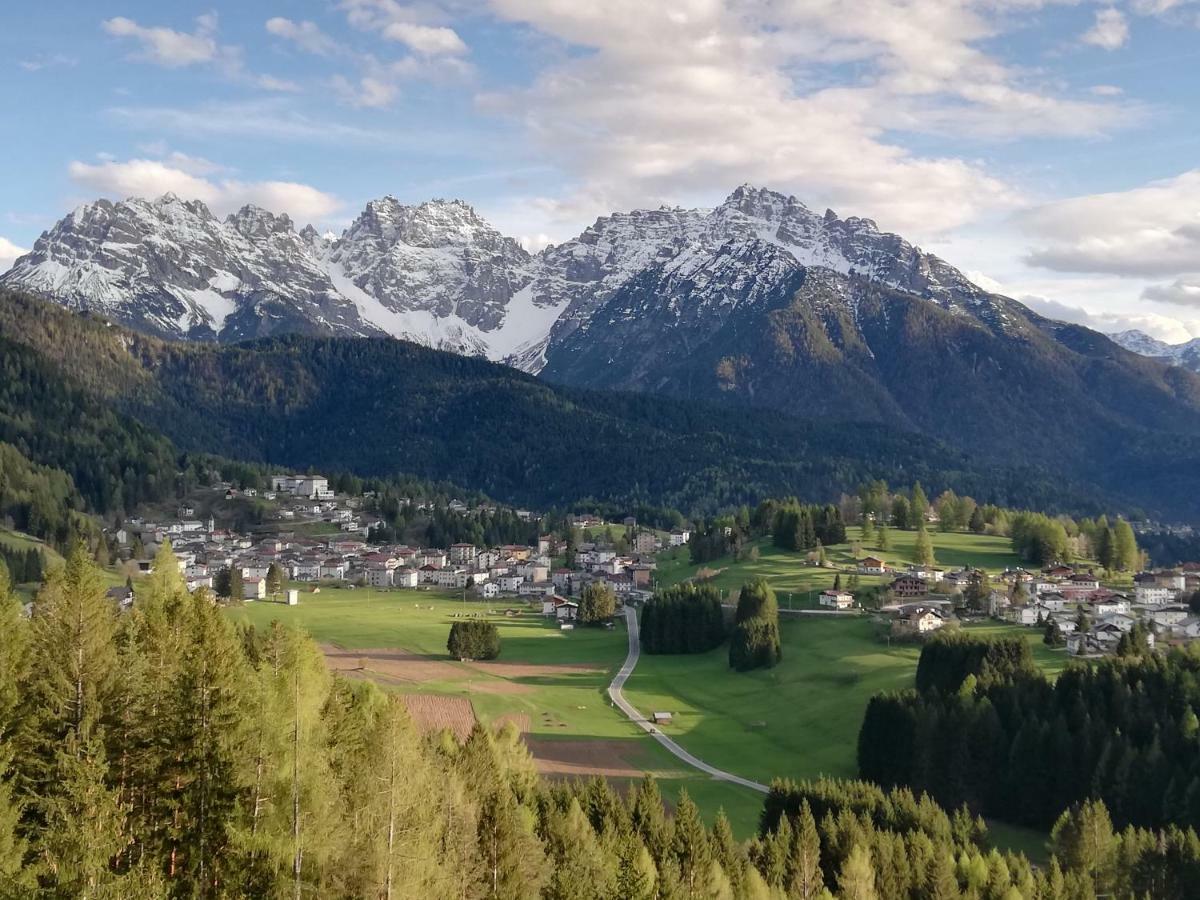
x=790, y=575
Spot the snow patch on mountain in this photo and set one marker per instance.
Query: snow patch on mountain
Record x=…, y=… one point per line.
x=1186, y=354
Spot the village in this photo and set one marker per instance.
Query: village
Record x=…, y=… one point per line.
x=347, y=555
x=1071, y=603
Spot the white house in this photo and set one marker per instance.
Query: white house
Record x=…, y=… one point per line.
x=489, y=589
x=679, y=538
x=511, y=583
x=836, y=599
x=406, y=578
x=1153, y=594
x=254, y=589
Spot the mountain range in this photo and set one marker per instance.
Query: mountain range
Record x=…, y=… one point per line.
x=1186, y=354
x=759, y=302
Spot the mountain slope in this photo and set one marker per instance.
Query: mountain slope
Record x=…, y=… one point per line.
x=752, y=326
x=380, y=407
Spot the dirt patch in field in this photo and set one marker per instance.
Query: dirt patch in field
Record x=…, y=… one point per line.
x=582, y=759
x=499, y=687
x=433, y=713
x=392, y=665
x=502, y=669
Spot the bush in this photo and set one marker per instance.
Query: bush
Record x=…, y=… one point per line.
x=474, y=640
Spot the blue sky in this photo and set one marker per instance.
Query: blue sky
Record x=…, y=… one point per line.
x=1048, y=148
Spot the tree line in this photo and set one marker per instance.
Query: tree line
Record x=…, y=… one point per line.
x=986, y=728
x=875, y=844
x=683, y=618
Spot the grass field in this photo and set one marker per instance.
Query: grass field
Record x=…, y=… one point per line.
x=797, y=583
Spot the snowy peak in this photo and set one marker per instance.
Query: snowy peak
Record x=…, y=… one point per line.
x=1186, y=354
x=438, y=273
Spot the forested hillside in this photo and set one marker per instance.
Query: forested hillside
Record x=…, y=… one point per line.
x=381, y=407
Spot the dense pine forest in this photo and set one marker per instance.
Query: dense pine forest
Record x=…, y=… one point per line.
x=166, y=753
x=984, y=727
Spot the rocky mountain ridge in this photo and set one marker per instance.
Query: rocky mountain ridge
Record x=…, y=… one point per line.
x=436, y=273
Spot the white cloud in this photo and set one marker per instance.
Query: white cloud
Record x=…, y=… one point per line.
x=1106, y=90
x=47, y=61
x=1165, y=328
x=152, y=178
x=1153, y=230
x=368, y=92
x=424, y=39
x=1110, y=30
x=305, y=35
x=167, y=47
x=1180, y=292
x=9, y=253
x=674, y=101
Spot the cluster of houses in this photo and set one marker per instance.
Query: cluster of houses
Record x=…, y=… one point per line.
x=203, y=550
x=923, y=601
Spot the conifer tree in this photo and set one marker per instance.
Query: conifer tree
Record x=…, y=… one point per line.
x=806, y=881
x=73, y=672
x=274, y=580
x=513, y=860
x=690, y=847
x=856, y=880
x=923, y=549
x=648, y=819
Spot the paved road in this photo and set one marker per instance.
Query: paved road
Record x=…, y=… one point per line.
x=618, y=697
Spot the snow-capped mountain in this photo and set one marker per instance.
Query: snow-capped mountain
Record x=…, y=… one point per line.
x=1186, y=354
x=438, y=274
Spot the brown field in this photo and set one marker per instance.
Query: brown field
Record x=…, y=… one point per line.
x=503, y=669
x=433, y=713
x=398, y=665
x=582, y=759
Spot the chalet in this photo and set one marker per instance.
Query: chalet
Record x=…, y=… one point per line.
x=122, y=595
x=567, y=611
x=909, y=586
x=836, y=599
x=405, y=577
x=1058, y=571
x=1082, y=582
x=427, y=574
x=872, y=566
x=1167, y=616
x=254, y=589
x=1029, y=614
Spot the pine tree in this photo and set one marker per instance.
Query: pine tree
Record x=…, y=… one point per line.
x=207, y=722
x=923, y=549
x=73, y=671
x=727, y=853
x=84, y=825
x=856, y=880
x=648, y=819
x=1124, y=546
x=884, y=540
x=513, y=862
x=689, y=846
x=274, y=579
x=806, y=880
x=977, y=524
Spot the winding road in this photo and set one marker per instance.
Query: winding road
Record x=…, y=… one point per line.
x=616, y=693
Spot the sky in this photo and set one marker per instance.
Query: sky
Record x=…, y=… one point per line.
x=1049, y=149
